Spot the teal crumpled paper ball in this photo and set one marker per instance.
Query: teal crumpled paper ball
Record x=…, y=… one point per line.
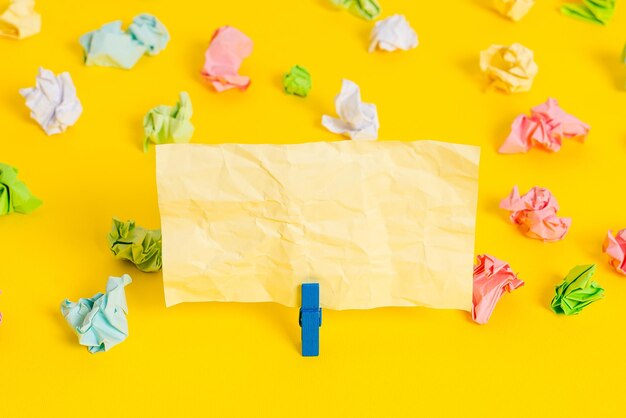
x=100, y=321
x=110, y=46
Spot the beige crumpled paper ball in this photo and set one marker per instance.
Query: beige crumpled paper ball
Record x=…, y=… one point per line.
x=19, y=20
x=513, y=9
x=511, y=69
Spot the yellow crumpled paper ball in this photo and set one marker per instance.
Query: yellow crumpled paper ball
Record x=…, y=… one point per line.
x=20, y=20
x=511, y=69
x=513, y=9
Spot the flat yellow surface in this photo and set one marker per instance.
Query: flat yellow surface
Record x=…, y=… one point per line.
x=220, y=360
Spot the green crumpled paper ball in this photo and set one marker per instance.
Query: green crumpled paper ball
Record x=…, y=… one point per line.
x=169, y=124
x=577, y=291
x=140, y=246
x=297, y=81
x=594, y=11
x=366, y=9
x=14, y=195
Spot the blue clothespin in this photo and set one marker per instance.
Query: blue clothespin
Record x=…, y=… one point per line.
x=310, y=319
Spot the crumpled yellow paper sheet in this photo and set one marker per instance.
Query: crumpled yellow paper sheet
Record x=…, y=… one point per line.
x=376, y=223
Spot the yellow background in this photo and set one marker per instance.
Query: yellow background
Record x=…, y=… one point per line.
x=218, y=360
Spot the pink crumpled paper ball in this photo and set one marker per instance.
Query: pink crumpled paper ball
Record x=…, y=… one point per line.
x=492, y=277
x=535, y=214
x=615, y=248
x=545, y=128
x=227, y=50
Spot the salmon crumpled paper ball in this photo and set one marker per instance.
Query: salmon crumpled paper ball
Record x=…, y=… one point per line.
x=227, y=50
x=615, y=248
x=545, y=128
x=535, y=214
x=511, y=69
x=492, y=277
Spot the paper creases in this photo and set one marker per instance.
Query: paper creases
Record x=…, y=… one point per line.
x=20, y=20
x=110, y=46
x=393, y=33
x=577, y=291
x=511, y=69
x=374, y=223
x=492, y=277
x=100, y=321
x=14, y=194
x=53, y=101
x=365, y=9
x=615, y=248
x=169, y=124
x=545, y=128
x=357, y=120
x=535, y=214
x=513, y=9
x=297, y=81
x=227, y=50
x=140, y=246
x=594, y=11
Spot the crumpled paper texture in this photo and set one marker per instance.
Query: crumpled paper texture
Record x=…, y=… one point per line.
x=393, y=33
x=545, y=128
x=577, y=291
x=20, y=20
x=513, y=9
x=615, y=248
x=140, y=246
x=297, y=81
x=169, y=124
x=14, y=194
x=357, y=120
x=227, y=50
x=53, y=101
x=535, y=214
x=374, y=223
x=492, y=277
x=100, y=321
x=110, y=46
x=365, y=9
x=511, y=69
x=148, y=31
x=594, y=11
